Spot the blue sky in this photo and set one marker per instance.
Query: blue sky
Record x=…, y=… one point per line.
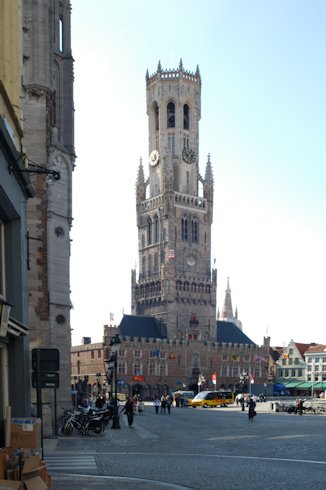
x=263, y=69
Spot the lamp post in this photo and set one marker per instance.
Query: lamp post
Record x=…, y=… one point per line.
x=98, y=377
x=115, y=341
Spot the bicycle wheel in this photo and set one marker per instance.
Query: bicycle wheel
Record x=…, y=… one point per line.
x=65, y=430
x=97, y=428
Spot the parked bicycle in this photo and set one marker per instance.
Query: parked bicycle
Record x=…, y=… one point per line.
x=86, y=424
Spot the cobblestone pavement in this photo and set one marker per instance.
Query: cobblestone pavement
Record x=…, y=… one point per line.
x=74, y=468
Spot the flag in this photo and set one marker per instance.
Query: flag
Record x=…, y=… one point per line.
x=171, y=254
x=171, y=356
x=156, y=353
x=258, y=358
x=214, y=378
x=111, y=317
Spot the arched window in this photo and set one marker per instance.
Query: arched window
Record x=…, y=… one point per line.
x=194, y=231
x=156, y=262
x=144, y=266
x=195, y=360
x=184, y=229
x=171, y=143
x=157, y=113
x=150, y=265
x=156, y=230
x=149, y=231
x=61, y=35
x=186, y=117
x=152, y=368
x=163, y=370
x=171, y=115
x=137, y=368
x=122, y=367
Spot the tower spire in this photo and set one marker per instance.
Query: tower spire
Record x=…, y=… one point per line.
x=227, y=311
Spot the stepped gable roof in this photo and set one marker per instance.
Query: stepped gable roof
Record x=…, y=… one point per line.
x=228, y=332
x=303, y=347
x=142, y=326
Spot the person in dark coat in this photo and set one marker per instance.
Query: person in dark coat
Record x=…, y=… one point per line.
x=251, y=411
x=128, y=409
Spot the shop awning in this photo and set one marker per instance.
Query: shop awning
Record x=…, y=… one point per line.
x=321, y=385
x=292, y=384
x=16, y=328
x=304, y=386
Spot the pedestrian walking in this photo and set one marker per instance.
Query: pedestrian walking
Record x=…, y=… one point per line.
x=157, y=404
x=169, y=404
x=299, y=406
x=242, y=401
x=141, y=406
x=251, y=411
x=128, y=409
x=163, y=404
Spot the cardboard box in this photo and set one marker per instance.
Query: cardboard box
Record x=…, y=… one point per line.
x=3, y=455
x=35, y=484
x=25, y=433
x=7, y=484
x=31, y=464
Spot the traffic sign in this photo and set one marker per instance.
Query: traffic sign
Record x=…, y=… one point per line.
x=49, y=360
x=48, y=380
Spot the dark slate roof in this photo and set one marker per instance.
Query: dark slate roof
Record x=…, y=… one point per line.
x=142, y=326
x=228, y=332
x=275, y=354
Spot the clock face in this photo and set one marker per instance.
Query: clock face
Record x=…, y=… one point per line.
x=188, y=155
x=154, y=158
x=191, y=260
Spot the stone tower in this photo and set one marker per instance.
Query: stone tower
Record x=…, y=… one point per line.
x=49, y=142
x=174, y=212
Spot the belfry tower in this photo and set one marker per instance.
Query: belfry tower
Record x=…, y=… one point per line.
x=174, y=212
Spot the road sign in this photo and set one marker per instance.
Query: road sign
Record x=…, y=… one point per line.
x=49, y=360
x=48, y=380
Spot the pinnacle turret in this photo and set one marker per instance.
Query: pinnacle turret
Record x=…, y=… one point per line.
x=209, y=171
x=140, y=175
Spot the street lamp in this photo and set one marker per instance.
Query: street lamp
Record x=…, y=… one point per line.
x=98, y=377
x=115, y=341
x=5, y=308
x=34, y=168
